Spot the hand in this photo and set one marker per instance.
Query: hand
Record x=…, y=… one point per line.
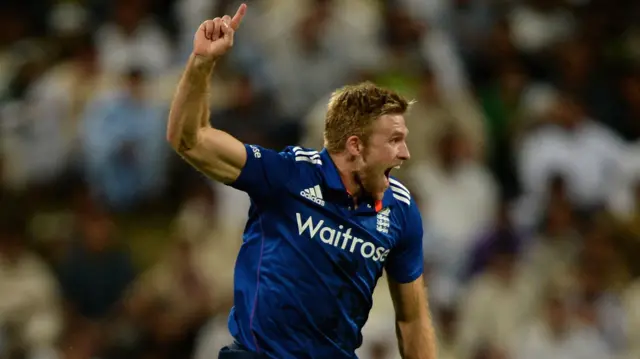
x=215, y=37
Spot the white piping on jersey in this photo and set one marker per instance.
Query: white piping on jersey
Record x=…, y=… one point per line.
x=400, y=192
x=402, y=199
x=307, y=156
x=299, y=151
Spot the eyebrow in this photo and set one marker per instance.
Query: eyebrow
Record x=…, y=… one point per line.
x=399, y=133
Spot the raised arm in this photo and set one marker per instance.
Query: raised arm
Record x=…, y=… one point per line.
x=213, y=152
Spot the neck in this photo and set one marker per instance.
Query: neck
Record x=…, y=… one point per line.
x=346, y=170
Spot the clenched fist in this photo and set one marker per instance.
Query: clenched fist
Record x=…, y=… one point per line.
x=215, y=37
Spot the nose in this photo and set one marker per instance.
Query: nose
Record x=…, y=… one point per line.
x=404, y=152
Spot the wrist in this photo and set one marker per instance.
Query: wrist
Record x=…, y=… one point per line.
x=203, y=63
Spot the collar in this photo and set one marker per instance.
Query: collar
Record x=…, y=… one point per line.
x=333, y=182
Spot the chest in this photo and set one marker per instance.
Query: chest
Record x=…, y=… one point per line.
x=342, y=227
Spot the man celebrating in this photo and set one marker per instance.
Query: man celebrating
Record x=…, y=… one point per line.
x=322, y=225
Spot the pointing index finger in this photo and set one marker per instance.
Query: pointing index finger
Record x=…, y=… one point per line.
x=237, y=18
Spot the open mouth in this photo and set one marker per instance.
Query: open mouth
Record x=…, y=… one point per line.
x=387, y=172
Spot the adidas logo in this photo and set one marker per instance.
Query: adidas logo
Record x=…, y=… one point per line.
x=313, y=194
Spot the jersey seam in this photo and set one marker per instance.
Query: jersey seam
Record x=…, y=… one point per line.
x=255, y=297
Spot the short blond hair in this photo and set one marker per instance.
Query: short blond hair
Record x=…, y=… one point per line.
x=353, y=109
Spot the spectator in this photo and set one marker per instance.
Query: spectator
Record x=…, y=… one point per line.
x=125, y=155
x=584, y=152
x=557, y=335
x=450, y=187
x=632, y=308
x=30, y=310
x=496, y=303
x=434, y=112
x=133, y=39
x=94, y=276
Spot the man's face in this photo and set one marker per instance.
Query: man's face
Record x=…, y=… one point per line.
x=385, y=149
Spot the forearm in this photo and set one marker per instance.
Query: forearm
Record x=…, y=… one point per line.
x=190, y=108
x=416, y=338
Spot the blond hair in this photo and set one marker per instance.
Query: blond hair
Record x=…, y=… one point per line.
x=353, y=109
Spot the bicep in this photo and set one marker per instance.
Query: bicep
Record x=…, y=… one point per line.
x=409, y=299
x=217, y=154
x=258, y=171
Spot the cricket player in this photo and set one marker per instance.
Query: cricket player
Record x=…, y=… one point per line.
x=322, y=225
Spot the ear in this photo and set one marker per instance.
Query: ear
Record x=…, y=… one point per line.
x=354, y=146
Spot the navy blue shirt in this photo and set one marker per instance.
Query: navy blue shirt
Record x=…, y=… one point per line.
x=310, y=259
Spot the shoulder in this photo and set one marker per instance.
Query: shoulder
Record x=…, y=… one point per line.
x=405, y=203
x=291, y=158
x=304, y=159
x=400, y=192
x=288, y=164
x=303, y=155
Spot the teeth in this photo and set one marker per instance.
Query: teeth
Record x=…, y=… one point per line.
x=397, y=167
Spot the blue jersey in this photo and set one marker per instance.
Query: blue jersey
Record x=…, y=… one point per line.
x=310, y=259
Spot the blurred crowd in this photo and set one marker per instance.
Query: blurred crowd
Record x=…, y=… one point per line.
x=525, y=163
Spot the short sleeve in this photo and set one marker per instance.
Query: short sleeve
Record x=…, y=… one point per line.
x=265, y=172
x=405, y=262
